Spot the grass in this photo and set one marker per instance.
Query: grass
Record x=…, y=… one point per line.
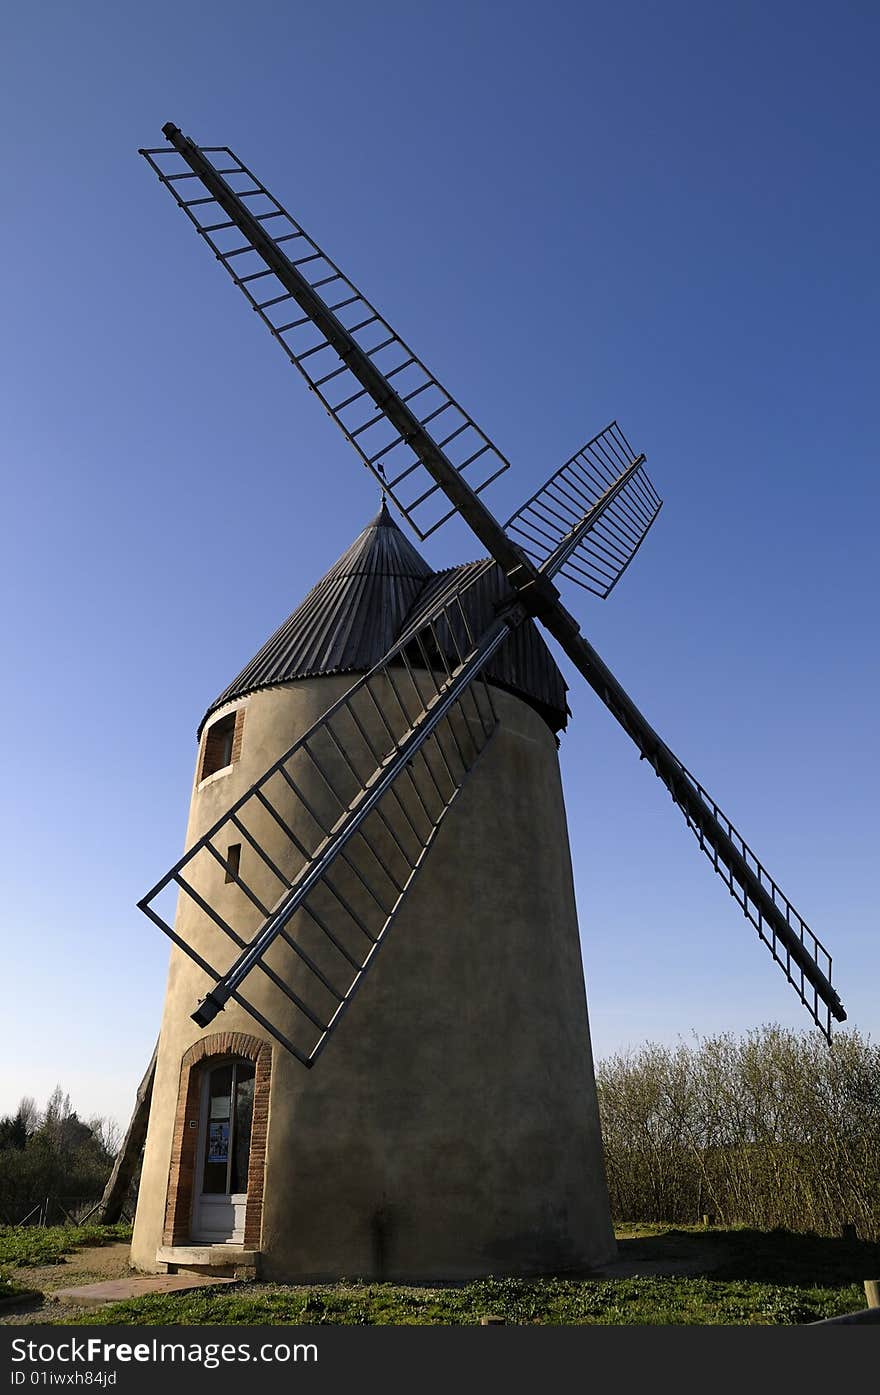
x=748, y=1277
x=773, y=1257
x=31, y=1246
x=736, y=1276
x=11, y=1291
x=548, y=1302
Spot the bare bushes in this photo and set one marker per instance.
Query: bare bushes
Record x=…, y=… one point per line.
x=771, y=1129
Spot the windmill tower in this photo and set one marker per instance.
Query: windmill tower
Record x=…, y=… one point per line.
x=452, y=1129
x=386, y=768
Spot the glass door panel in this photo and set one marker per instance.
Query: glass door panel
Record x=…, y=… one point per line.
x=224, y=1147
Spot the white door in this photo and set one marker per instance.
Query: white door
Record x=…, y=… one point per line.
x=227, y=1107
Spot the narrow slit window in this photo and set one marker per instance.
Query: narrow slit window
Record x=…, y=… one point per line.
x=233, y=862
x=218, y=746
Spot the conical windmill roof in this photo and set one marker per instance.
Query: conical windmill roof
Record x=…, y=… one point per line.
x=353, y=616
x=348, y=620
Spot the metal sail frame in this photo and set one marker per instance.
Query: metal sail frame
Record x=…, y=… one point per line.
x=591, y=545
x=338, y=828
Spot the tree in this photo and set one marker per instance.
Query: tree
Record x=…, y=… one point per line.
x=52, y=1153
x=13, y=1133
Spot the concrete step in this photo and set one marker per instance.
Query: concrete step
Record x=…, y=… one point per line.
x=228, y=1260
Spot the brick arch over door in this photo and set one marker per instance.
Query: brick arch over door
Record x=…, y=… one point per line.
x=184, y=1144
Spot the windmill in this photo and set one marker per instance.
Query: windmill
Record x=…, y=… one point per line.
x=288, y=889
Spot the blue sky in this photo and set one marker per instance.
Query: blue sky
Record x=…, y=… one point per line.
x=661, y=213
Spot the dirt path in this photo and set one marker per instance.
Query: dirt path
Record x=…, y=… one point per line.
x=88, y=1266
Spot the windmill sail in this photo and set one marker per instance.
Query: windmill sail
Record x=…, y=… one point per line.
x=757, y=908
x=803, y=958
x=315, y=312
x=586, y=522
x=570, y=497
x=334, y=833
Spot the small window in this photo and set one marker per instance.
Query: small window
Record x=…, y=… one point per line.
x=233, y=862
x=218, y=746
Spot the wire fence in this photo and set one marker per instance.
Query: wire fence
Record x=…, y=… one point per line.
x=53, y=1210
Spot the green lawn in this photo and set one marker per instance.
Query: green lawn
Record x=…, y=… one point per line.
x=30, y=1246
x=551, y=1302
x=735, y=1276
x=11, y=1291
x=741, y=1276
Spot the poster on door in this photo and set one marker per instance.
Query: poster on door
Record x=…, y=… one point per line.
x=218, y=1142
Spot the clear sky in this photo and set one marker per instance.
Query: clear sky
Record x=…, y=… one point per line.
x=664, y=213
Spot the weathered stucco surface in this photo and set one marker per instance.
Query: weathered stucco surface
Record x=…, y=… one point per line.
x=450, y=1128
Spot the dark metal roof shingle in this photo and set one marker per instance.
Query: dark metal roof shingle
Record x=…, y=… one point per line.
x=351, y=618
x=348, y=620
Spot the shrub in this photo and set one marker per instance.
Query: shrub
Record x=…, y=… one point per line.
x=772, y=1129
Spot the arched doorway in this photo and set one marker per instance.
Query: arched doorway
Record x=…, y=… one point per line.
x=206, y=1165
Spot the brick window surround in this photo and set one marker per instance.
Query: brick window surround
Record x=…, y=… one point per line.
x=221, y=744
x=184, y=1144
